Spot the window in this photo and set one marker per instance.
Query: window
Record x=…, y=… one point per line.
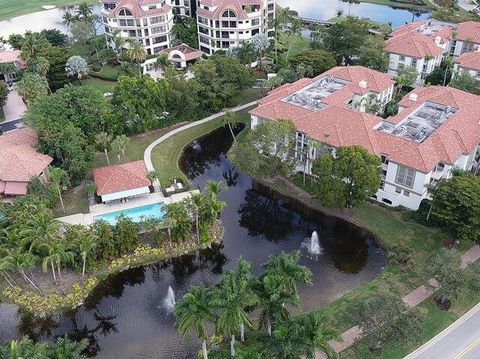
x=125, y=12
x=123, y=23
x=152, y=7
x=387, y=201
x=229, y=13
x=402, y=58
x=398, y=190
x=158, y=29
x=157, y=19
x=406, y=193
x=414, y=63
x=405, y=176
x=255, y=22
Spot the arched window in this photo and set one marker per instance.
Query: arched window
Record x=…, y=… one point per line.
x=229, y=13
x=125, y=12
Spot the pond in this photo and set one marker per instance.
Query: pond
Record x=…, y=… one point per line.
x=327, y=9
x=127, y=317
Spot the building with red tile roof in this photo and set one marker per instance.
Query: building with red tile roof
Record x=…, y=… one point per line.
x=120, y=181
x=181, y=55
x=436, y=129
x=19, y=162
x=147, y=21
x=468, y=64
x=14, y=58
x=223, y=24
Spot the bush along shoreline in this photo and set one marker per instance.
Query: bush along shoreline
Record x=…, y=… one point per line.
x=56, y=266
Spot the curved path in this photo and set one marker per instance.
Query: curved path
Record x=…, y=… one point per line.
x=147, y=156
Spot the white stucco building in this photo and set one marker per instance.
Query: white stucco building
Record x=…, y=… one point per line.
x=12, y=63
x=184, y=8
x=468, y=64
x=435, y=130
x=148, y=21
x=229, y=23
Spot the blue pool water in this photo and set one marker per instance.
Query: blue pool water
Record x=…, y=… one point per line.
x=136, y=214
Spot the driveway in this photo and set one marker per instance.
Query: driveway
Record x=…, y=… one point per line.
x=14, y=108
x=461, y=340
x=466, y=4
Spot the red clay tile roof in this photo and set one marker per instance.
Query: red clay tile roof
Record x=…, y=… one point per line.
x=121, y=177
x=460, y=134
x=469, y=31
x=19, y=160
x=189, y=52
x=413, y=44
x=222, y=5
x=469, y=60
x=12, y=56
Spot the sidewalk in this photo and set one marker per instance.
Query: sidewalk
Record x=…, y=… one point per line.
x=412, y=299
x=14, y=108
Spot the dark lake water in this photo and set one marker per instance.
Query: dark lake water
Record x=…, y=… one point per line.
x=125, y=316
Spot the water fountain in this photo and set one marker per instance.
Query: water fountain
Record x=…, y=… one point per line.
x=169, y=301
x=312, y=245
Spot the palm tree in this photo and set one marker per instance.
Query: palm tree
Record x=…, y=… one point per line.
x=316, y=334
x=230, y=119
x=103, y=140
x=233, y=296
x=214, y=188
x=287, y=265
x=193, y=312
x=136, y=53
x=19, y=260
x=39, y=228
x=56, y=255
x=294, y=29
x=162, y=62
x=152, y=176
x=275, y=23
x=60, y=181
x=120, y=143
x=196, y=201
x=246, y=53
x=86, y=244
x=32, y=44
x=83, y=11
x=169, y=223
x=272, y=299
x=118, y=41
x=312, y=147
x=68, y=18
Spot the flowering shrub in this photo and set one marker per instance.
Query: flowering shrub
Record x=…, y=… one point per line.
x=52, y=302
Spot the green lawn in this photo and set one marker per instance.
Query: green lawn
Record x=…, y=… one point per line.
x=12, y=8
x=108, y=73
x=165, y=156
x=404, y=5
x=100, y=85
x=2, y=115
x=298, y=44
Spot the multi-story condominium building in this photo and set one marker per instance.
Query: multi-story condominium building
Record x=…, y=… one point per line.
x=184, y=7
x=420, y=45
x=148, y=21
x=229, y=23
x=469, y=64
x=435, y=130
x=465, y=38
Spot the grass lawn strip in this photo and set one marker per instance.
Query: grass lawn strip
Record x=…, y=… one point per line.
x=13, y=8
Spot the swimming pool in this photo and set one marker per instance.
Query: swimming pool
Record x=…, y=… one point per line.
x=136, y=214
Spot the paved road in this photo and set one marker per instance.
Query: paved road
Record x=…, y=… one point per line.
x=461, y=340
x=467, y=5
x=11, y=125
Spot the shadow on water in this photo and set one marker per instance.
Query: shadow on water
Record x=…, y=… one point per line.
x=126, y=315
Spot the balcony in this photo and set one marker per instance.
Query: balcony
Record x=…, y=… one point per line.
x=438, y=173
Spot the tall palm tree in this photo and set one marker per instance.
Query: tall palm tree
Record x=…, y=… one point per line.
x=316, y=335
x=294, y=29
x=169, y=223
x=312, y=147
x=118, y=41
x=233, y=297
x=275, y=24
x=86, y=244
x=193, y=312
x=60, y=180
x=196, y=202
x=83, y=11
x=19, y=260
x=32, y=44
x=56, y=255
x=152, y=176
x=120, y=143
x=230, y=119
x=136, y=53
x=68, y=18
x=287, y=265
x=40, y=228
x=103, y=141
x=214, y=188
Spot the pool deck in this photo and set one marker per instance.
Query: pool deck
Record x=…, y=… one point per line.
x=98, y=209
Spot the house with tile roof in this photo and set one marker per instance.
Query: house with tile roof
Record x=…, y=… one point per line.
x=148, y=21
x=435, y=130
x=230, y=23
x=121, y=181
x=20, y=162
x=12, y=63
x=467, y=64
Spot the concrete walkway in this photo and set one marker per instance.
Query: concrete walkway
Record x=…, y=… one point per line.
x=412, y=299
x=147, y=156
x=14, y=108
x=468, y=5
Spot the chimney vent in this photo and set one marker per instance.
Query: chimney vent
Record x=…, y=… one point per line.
x=413, y=97
x=438, y=39
x=363, y=84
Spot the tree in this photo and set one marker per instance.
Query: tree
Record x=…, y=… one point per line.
x=86, y=244
x=83, y=11
x=103, y=141
x=18, y=260
x=32, y=86
x=246, y=53
x=196, y=201
x=456, y=204
x=345, y=38
x=81, y=32
x=386, y=321
x=230, y=119
x=25, y=348
x=60, y=181
x=33, y=45
x=136, y=53
x=3, y=93
x=294, y=29
x=16, y=41
x=261, y=43
x=319, y=60
x=406, y=76
x=56, y=254
x=119, y=144
x=55, y=37
x=177, y=214
x=185, y=31
x=68, y=18
x=126, y=234
x=38, y=229
x=353, y=170
x=152, y=176
x=466, y=83
x=57, y=58
x=77, y=67
x=372, y=54
x=193, y=312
